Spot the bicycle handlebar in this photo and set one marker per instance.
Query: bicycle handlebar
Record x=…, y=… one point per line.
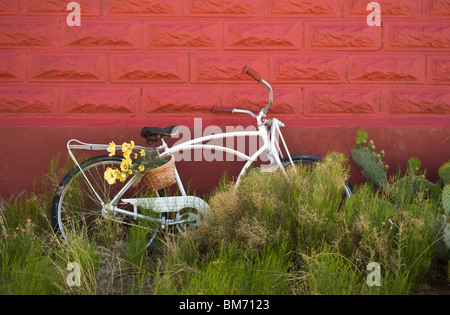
x=255, y=75
x=222, y=109
x=252, y=73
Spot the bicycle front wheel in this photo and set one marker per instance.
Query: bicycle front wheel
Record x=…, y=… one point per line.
x=78, y=211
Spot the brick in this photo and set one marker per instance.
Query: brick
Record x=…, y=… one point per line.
x=288, y=100
x=26, y=100
x=182, y=100
x=182, y=35
x=417, y=36
x=341, y=101
x=226, y=68
x=436, y=8
x=143, y=7
x=59, y=7
x=269, y=35
x=12, y=67
x=417, y=101
x=39, y=34
x=307, y=68
x=168, y=67
x=319, y=8
x=342, y=36
x=438, y=70
x=176, y=99
x=389, y=8
x=388, y=68
x=224, y=8
x=116, y=101
x=66, y=67
x=100, y=34
x=9, y=7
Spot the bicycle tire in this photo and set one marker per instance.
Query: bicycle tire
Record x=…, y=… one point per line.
x=69, y=195
x=311, y=160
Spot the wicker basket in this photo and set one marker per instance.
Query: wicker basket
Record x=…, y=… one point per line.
x=162, y=176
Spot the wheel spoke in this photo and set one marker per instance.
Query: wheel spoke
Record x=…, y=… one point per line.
x=78, y=210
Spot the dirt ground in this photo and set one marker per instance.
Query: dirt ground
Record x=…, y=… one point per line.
x=437, y=281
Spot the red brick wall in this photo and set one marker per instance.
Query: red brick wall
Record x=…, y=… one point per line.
x=143, y=60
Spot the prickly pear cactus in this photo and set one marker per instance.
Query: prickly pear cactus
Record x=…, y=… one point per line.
x=412, y=166
x=405, y=189
x=446, y=199
x=446, y=233
x=444, y=174
x=368, y=161
x=446, y=237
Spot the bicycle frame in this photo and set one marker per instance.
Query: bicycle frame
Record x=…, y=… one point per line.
x=270, y=145
x=267, y=129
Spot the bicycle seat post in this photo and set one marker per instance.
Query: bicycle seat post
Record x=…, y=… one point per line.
x=163, y=147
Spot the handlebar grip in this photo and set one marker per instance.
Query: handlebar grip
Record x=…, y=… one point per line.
x=252, y=73
x=222, y=109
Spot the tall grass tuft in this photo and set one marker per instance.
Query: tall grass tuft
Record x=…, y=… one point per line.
x=23, y=263
x=228, y=271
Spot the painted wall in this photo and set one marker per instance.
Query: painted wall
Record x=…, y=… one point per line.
x=160, y=62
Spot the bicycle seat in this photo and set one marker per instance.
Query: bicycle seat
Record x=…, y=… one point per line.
x=152, y=134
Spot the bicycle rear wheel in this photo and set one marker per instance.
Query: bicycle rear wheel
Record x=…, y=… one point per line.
x=311, y=160
x=76, y=209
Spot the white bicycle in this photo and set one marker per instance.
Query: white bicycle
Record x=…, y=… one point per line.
x=84, y=200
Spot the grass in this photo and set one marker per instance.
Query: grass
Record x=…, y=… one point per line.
x=229, y=271
x=271, y=236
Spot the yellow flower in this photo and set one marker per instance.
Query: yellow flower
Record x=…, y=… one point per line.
x=141, y=168
x=110, y=175
x=127, y=146
x=127, y=154
x=142, y=153
x=122, y=177
x=127, y=149
x=135, y=156
x=126, y=164
x=111, y=148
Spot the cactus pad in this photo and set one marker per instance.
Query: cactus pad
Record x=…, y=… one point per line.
x=412, y=166
x=405, y=189
x=444, y=173
x=371, y=167
x=446, y=199
x=361, y=138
